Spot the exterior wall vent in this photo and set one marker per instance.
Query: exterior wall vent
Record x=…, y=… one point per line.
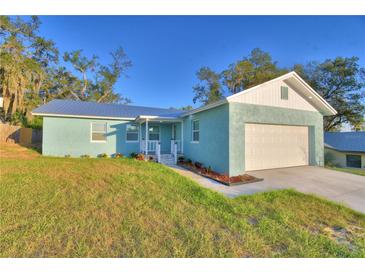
x=284, y=93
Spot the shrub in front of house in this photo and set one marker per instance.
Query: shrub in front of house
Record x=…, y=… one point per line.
x=118, y=155
x=140, y=157
x=198, y=165
x=103, y=155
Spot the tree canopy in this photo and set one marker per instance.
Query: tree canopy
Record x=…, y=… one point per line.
x=31, y=72
x=250, y=71
x=209, y=89
x=340, y=81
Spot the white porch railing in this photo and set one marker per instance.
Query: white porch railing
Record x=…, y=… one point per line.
x=151, y=146
x=178, y=144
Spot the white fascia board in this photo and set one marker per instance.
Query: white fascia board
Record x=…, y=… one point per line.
x=294, y=75
x=156, y=118
x=212, y=105
x=315, y=94
x=81, y=116
x=282, y=77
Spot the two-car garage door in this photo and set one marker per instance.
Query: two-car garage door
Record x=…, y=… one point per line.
x=275, y=146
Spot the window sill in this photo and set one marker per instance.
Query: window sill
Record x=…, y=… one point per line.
x=132, y=141
x=97, y=141
x=194, y=142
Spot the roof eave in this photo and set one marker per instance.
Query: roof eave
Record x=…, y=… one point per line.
x=206, y=107
x=343, y=150
x=141, y=118
x=81, y=116
x=328, y=109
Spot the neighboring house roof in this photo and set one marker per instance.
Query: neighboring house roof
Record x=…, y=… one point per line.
x=71, y=108
x=345, y=141
x=294, y=80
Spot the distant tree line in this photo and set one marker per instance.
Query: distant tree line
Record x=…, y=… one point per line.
x=340, y=81
x=31, y=73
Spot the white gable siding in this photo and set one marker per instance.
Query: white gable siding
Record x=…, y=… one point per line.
x=270, y=95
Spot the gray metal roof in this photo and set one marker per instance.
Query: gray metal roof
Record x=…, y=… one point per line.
x=80, y=108
x=345, y=141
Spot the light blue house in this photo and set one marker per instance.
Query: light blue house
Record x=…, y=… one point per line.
x=275, y=124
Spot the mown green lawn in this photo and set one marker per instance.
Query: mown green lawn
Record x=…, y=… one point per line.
x=63, y=207
x=349, y=170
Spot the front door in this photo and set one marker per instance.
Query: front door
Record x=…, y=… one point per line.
x=154, y=133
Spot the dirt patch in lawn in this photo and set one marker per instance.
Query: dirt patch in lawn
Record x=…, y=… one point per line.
x=343, y=235
x=15, y=151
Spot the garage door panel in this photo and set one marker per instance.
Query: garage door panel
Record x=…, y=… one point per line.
x=275, y=146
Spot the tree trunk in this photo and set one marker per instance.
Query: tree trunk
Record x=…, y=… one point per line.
x=104, y=96
x=83, y=90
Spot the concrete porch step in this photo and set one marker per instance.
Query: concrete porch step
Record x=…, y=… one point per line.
x=167, y=159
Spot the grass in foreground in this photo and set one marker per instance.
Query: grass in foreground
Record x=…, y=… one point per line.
x=360, y=172
x=62, y=207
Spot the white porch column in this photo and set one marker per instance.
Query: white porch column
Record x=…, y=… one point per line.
x=182, y=136
x=140, y=137
x=146, y=138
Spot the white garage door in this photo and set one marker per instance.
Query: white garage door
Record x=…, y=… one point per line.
x=275, y=146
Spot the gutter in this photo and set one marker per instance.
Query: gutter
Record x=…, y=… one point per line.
x=81, y=116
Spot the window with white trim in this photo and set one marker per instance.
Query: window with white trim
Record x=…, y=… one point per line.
x=132, y=133
x=195, y=131
x=98, y=132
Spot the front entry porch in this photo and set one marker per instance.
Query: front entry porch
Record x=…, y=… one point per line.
x=153, y=145
x=161, y=139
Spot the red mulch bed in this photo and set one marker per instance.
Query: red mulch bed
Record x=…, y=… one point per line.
x=221, y=178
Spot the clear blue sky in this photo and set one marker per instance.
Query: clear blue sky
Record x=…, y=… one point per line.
x=167, y=51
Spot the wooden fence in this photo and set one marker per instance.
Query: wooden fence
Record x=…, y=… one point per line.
x=21, y=135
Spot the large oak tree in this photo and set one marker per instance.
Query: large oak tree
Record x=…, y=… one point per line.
x=339, y=81
x=30, y=72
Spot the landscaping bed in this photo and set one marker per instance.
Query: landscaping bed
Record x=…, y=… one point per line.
x=220, y=178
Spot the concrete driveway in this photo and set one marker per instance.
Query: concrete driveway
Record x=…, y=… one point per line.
x=342, y=187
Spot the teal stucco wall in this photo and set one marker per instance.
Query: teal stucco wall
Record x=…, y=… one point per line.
x=221, y=144
x=213, y=147
x=62, y=136
x=240, y=113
